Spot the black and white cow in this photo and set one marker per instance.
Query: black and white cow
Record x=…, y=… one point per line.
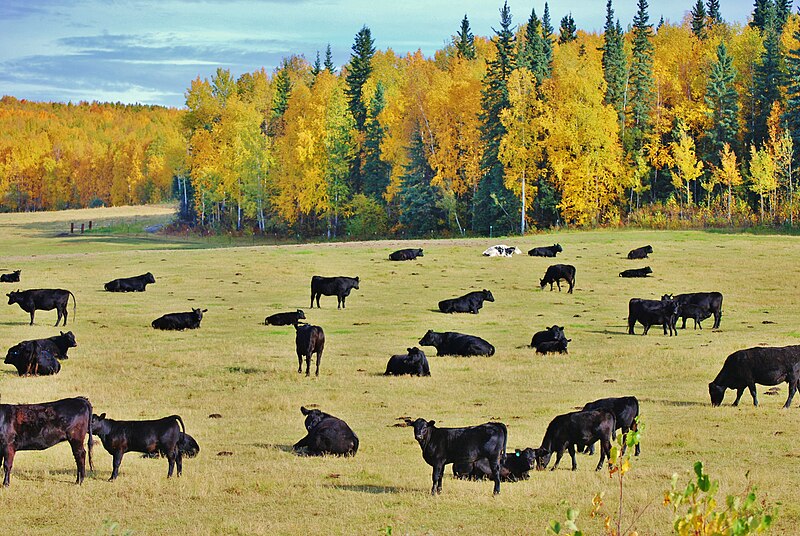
x=546, y=251
x=555, y=273
x=454, y=343
x=470, y=302
x=408, y=254
x=414, y=363
x=326, y=434
x=501, y=250
x=339, y=286
x=179, y=321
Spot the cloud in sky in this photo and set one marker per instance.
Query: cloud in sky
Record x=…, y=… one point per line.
x=149, y=51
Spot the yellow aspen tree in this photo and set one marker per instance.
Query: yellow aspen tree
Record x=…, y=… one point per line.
x=687, y=166
x=763, y=178
x=728, y=173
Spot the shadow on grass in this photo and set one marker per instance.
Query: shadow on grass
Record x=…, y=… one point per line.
x=606, y=332
x=365, y=488
x=676, y=403
x=272, y=446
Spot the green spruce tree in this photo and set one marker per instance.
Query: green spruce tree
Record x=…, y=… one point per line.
x=567, y=30
x=376, y=171
x=769, y=77
x=547, y=35
x=760, y=10
x=714, y=14
x=357, y=75
x=642, y=92
x=317, y=67
x=723, y=102
x=420, y=203
x=531, y=54
x=329, y=66
x=615, y=65
x=699, y=20
x=465, y=41
x=280, y=102
x=792, y=114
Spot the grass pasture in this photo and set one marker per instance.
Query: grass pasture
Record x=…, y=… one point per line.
x=245, y=371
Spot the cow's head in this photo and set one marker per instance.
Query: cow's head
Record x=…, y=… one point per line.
x=666, y=297
x=557, y=333
x=13, y=297
x=542, y=283
x=422, y=429
x=648, y=248
x=431, y=338
x=198, y=313
x=528, y=456
x=542, y=457
x=188, y=446
x=557, y=248
x=487, y=295
x=313, y=417
x=100, y=425
x=301, y=314
x=15, y=356
x=69, y=338
x=717, y=393
x=647, y=270
x=148, y=278
x=415, y=353
x=355, y=285
x=419, y=253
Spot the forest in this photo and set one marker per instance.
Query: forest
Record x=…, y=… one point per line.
x=649, y=123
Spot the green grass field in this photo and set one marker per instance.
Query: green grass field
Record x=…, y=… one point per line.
x=245, y=371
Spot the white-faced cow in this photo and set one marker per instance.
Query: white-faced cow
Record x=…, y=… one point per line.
x=470, y=302
x=13, y=277
x=414, y=363
x=285, y=319
x=546, y=251
x=408, y=254
x=441, y=446
x=555, y=273
x=454, y=343
x=640, y=253
x=651, y=312
x=149, y=436
x=326, y=434
x=339, y=286
x=41, y=426
x=501, y=250
x=308, y=340
x=576, y=429
x=45, y=299
x=762, y=365
x=179, y=321
x=130, y=284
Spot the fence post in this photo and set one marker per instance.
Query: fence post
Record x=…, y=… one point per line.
x=72, y=228
x=82, y=228
x=90, y=225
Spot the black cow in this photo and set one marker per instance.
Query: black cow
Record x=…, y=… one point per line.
x=30, y=358
x=696, y=312
x=625, y=410
x=332, y=286
x=285, y=319
x=762, y=365
x=555, y=273
x=414, y=363
x=44, y=299
x=40, y=426
x=179, y=321
x=636, y=272
x=707, y=302
x=187, y=445
x=326, y=434
x=441, y=446
x=130, y=284
x=651, y=312
x=578, y=428
x=470, y=302
x=640, y=253
x=13, y=277
x=308, y=340
x=157, y=435
x=58, y=344
x=550, y=340
x=453, y=343
x=513, y=469
x=546, y=251
x=406, y=254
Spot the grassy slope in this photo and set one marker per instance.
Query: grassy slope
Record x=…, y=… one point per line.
x=246, y=372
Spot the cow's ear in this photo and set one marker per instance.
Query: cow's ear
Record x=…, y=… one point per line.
x=409, y=421
x=61, y=332
x=204, y=311
x=102, y=416
x=356, y=278
x=304, y=411
x=431, y=423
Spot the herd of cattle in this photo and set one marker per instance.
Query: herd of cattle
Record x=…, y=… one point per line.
x=476, y=452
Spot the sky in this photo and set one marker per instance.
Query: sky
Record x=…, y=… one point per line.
x=148, y=51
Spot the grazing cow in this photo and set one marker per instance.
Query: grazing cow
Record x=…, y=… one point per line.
x=550, y=340
x=708, y=302
x=187, y=445
x=40, y=426
x=285, y=319
x=468, y=303
x=453, y=343
x=501, y=250
x=513, y=469
x=326, y=434
x=157, y=435
x=44, y=299
x=179, y=321
x=546, y=251
x=695, y=312
x=650, y=312
x=414, y=363
x=578, y=428
x=625, y=410
x=130, y=284
x=30, y=358
x=636, y=272
x=762, y=365
x=332, y=286
x=406, y=254
x=308, y=340
x=555, y=273
x=640, y=253
x=441, y=446
x=13, y=277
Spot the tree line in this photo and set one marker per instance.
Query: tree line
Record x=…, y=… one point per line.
x=535, y=126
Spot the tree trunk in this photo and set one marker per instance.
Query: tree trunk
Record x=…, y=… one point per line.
x=522, y=219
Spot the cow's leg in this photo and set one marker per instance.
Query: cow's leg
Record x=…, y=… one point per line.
x=558, y=284
x=319, y=358
x=312, y=299
x=8, y=462
x=631, y=323
x=179, y=460
x=299, y=363
x=635, y=428
x=589, y=449
x=794, y=385
x=496, y=476
x=33, y=313
x=646, y=329
x=115, y=467
x=717, y=318
x=171, y=460
x=571, y=449
x=753, y=393
x=79, y=453
x=571, y=286
x=605, y=452
x=308, y=363
x=559, y=454
x=344, y=305
x=684, y=323
x=624, y=439
x=65, y=317
x=437, y=479
x=739, y=393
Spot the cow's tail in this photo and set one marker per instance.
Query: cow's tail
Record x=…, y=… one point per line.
x=74, y=306
x=90, y=443
x=183, y=428
x=505, y=443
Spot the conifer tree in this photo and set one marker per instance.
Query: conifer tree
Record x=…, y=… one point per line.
x=329, y=66
x=317, y=67
x=760, y=10
x=531, y=54
x=376, y=172
x=420, y=203
x=641, y=75
x=465, y=41
x=769, y=77
x=792, y=114
x=699, y=20
x=723, y=101
x=357, y=75
x=547, y=35
x=714, y=14
x=567, y=30
x=615, y=65
x=494, y=204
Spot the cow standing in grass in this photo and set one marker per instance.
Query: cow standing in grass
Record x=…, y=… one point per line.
x=45, y=299
x=555, y=273
x=308, y=340
x=576, y=429
x=339, y=286
x=744, y=369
